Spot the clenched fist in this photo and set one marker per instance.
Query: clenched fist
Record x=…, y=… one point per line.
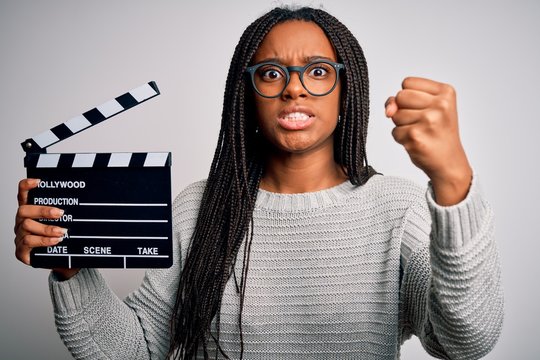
x=425, y=115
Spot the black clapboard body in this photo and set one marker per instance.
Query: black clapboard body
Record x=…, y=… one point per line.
x=117, y=206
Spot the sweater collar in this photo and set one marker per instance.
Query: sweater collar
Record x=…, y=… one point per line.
x=303, y=201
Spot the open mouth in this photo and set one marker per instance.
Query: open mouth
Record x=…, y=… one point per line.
x=296, y=116
x=297, y=120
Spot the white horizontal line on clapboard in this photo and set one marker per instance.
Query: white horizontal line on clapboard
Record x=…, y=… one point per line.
x=101, y=255
x=120, y=220
x=119, y=237
x=120, y=204
x=125, y=257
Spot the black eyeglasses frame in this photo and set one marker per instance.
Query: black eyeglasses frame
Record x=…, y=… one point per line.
x=299, y=69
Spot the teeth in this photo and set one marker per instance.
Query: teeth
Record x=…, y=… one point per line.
x=296, y=116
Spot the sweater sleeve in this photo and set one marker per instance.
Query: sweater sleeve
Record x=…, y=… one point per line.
x=95, y=324
x=451, y=293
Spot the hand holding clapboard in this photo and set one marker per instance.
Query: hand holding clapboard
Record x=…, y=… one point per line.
x=100, y=210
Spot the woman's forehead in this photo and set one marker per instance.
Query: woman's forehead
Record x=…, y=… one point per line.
x=292, y=42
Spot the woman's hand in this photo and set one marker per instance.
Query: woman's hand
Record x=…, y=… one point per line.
x=425, y=115
x=30, y=233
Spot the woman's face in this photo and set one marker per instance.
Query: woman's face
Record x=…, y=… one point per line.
x=296, y=121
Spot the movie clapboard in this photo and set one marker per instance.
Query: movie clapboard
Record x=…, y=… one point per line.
x=117, y=206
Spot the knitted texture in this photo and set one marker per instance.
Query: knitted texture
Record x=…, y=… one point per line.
x=343, y=273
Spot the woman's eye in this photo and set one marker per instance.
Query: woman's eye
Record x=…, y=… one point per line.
x=318, y=72
x=271, y=74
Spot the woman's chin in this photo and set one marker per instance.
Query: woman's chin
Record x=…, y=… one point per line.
x=297, y=144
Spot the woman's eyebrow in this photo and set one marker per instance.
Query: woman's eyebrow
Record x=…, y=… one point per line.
x=309, y=59
x=274, y=60
x=306, y=59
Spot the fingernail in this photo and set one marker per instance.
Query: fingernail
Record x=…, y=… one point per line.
x=57, y=212
x=59, y=240
x=60, y=231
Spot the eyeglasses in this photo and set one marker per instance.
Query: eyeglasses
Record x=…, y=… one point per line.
x=319, y=78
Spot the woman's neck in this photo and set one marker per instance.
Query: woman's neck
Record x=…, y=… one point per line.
x=291, y=173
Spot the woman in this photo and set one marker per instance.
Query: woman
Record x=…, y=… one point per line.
x=294, y=247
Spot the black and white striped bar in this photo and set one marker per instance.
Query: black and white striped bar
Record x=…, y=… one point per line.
x=117, y=208
x=90, y=118
x=94, y=160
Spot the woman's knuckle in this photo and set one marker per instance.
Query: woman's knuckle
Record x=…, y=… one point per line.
x=428, y=118
x=26, y=240
x=399, y=96
x=394, y=133
x=449, y=89
x=43, y=241
x=50, y=230
x=415, y=134
x=26, y=224
x=441, y=104
x=405, y=83
x=20, y=211
x=18, y=254
x=409, y=147
x=22, y=256
x=45, y=211
x=22, y=184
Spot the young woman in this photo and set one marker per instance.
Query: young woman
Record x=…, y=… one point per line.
x=294, y=247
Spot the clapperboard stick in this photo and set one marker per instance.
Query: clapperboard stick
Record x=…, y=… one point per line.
x=39, y=143
x=99, y=200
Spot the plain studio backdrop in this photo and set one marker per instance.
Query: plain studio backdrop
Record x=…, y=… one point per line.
x=61, y=58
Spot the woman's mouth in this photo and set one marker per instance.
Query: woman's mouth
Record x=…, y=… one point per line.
x=295, y=120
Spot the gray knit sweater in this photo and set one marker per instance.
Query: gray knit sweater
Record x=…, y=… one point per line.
x=343, y=273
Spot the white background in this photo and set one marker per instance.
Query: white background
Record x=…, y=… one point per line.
x=61, y=58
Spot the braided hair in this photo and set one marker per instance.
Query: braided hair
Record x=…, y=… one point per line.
x=224, y=220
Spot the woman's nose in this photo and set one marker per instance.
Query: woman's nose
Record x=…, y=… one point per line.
x=294, y=88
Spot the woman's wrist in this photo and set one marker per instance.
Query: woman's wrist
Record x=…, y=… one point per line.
x=65, y=274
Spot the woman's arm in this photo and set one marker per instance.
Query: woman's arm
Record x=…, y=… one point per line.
x=94, y=323
x=451, y=290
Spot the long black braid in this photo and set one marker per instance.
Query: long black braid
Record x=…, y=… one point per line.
x=226, y=210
